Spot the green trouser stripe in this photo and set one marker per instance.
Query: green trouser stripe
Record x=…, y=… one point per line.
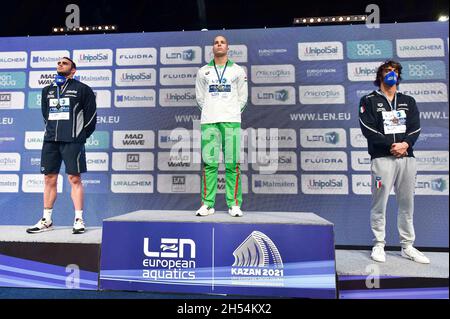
x=225, y=137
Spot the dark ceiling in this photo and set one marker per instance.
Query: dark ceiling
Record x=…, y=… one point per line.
x=23, y=18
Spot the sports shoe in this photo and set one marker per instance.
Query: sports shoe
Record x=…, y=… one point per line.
x=235, y=211
x=412, y=253
x=78, y=226
x=378, y=254
x=205, y=211
x=41, y=226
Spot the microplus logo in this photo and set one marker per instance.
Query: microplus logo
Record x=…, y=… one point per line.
x=283, y=73
x=314, y=51
x=322, y=94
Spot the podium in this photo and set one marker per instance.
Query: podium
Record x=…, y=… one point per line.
x=276, y=254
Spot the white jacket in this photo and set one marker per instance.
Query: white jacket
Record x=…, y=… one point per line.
x=226, y=105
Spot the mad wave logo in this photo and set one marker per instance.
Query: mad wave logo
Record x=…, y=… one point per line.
x=423, y=70
x=133, y=139
x=313, y=51
x=275, y=95
x=369, y=49
x=181, y=55
x=174, y=259
x=177, y=161
x=257, y=258
x=322, y=94
x=432, y=92
x=415, y=48
x=93, y=57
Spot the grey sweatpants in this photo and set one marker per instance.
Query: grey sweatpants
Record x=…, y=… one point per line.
x=400, y=173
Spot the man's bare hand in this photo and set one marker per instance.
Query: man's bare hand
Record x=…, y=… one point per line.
x=399, y=149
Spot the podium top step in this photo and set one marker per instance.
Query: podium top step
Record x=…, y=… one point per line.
x=179, y=216
x=93, y=235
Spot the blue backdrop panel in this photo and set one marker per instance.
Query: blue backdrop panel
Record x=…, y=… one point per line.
x=306, y=82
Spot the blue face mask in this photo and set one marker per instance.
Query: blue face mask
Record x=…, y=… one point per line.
x=391, y=78
x=60, y=80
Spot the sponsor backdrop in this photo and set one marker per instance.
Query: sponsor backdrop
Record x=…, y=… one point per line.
x=304, y=89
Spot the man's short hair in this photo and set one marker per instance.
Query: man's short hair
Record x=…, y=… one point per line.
x=74, y=66
x=389, y=63
x=226, y=40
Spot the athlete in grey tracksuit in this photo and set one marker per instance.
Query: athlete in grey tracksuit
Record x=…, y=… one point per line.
x=390, y=122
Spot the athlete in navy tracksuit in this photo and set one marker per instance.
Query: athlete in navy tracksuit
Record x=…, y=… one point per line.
x=390, y=121
x=70, y=115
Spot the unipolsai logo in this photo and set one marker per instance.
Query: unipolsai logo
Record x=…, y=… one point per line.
x=173, y=260
x=257, y=258
x=310, y=51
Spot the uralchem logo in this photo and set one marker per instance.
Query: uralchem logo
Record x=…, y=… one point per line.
x=13, y=60
x=12, y=80
x=325, y=184
x=423, y=70
x=131, y=184
x=417, y=48
x=283, y=73
x=237, y=53
x=432, y=92
x=323, y=161
x=135, y=98
x=323, y=138
x=432, y=185
x=133, y=139
x=273, y=95
x=47, y=59
x=181, y=55
x=34, y=140
x=174, y=260
x=97, y=161
x=95, y=78
x=177, y=97
x=362, y=71
x=322, y=94
x=12, y=100
x=136, y=56
x=178, y=76
x=100, y=57
x=314, y=51
x=135, y=77
x=381, y=49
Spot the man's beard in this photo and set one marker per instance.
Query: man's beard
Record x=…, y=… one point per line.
x=63, y=73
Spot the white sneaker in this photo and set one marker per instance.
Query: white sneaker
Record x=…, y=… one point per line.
x=412, y=253
x=205, y=211
x=235, y=211
x=78, y=226
x=41, y=226
x=378, y=254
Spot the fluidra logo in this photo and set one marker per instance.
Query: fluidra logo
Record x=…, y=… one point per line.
x=174, y=260
x=257, y=261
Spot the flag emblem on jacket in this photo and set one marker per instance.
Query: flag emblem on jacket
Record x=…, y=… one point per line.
x=378, y=182
x=362, y=109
